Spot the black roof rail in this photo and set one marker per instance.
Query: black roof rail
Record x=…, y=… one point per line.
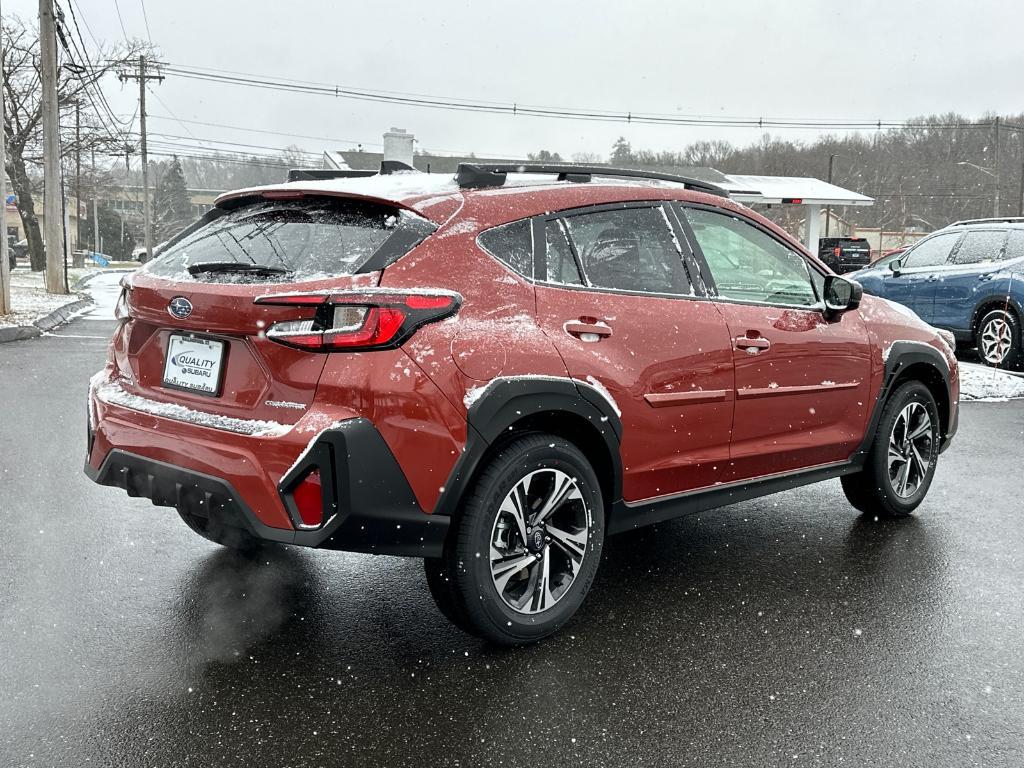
x=387, y=167
x=475, y=176
x=993, y=220
x=322, y=174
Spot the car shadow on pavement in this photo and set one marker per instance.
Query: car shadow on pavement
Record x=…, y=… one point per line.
x=728, y=612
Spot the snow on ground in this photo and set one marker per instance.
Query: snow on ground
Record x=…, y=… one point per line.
x=30, y=299
x=981, y=383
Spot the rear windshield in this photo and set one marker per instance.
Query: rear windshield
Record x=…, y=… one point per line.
x=294, y=240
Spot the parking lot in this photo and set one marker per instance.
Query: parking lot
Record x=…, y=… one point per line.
x=781, y=631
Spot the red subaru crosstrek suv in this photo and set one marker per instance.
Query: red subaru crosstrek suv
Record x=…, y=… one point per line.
x=495, y=371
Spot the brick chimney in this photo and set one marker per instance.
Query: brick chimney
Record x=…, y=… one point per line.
x=398, y=146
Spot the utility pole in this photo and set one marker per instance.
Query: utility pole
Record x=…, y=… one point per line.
x=995, y=170
x=1020, y=195
x=95, y=207
x=142, y=76
x=5, y=268
x=53, y=236
x=78, y=185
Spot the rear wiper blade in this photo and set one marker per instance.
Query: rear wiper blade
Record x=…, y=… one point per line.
x=238, y=267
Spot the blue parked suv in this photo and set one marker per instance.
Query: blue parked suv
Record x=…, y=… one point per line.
x=967, y=278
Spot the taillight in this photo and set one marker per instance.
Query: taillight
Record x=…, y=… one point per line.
x=349, y=321
x=121, y=309
x=309, y=500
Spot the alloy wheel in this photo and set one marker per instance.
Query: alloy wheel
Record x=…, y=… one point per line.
x=910, y=450
x=996, y=338
x=539, y=540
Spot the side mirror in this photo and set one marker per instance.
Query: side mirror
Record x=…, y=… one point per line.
x=895, y=266
x=841, y=295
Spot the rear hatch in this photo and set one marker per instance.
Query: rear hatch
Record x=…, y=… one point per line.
x=193, y=334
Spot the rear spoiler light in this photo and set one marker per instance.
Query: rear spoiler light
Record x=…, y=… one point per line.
x=358, y=320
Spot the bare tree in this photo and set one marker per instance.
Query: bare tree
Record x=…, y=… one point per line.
x=77, y=85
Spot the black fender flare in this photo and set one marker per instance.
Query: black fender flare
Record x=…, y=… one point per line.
x=506, y=400
x=900, y=356
x=995, y=297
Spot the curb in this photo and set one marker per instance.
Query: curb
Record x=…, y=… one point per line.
x=44, y=324
x=85, y=279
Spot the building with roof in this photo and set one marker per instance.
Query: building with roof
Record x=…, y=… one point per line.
x=814, y=195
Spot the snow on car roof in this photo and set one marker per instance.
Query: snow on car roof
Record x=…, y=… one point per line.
x=419, y=191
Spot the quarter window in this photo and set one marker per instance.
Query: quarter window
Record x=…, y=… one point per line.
x=749, y=265
x=980, y=246
x=631, y=249
x=512, y=245
x=931, y=252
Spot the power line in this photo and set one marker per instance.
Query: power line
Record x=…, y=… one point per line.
x=145, y=18
x=95, y=73
x=309, y=155
x=269, y=133
x=515, y=109
x=124, y=31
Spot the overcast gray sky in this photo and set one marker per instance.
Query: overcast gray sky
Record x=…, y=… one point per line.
x=886, y=59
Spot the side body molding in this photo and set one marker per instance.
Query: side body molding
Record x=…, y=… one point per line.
x=507, y=400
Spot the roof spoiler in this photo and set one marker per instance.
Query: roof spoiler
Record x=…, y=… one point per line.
x=476, y=176
x=387, y=167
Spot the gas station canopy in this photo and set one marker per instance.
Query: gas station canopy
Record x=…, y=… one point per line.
x=792, y=190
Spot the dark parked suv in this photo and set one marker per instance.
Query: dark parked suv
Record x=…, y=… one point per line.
x=967, y=278
x=495, y=371
x=844, y=254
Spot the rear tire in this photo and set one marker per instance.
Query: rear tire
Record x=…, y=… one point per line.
x=901, y=460
x=526, y=544
x=999, y=339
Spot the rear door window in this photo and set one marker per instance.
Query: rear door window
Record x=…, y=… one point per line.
x=1014, y=245
x=295, y=241
x=630, y=249
x=979, y=246
x=931, y=252
x=561, y=266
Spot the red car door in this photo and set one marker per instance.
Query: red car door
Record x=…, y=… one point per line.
x=802, y=380
x=616, y=300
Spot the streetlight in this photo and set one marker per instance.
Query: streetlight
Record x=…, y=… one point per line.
x=995, y=184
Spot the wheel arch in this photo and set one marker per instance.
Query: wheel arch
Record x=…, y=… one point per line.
x=995, y=301
x=511, y=407
x=917, y=361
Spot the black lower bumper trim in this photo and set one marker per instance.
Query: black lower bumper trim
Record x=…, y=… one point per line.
x=377, y=511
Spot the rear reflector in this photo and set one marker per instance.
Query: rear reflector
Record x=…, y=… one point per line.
x=358, y=320
x=309, y=500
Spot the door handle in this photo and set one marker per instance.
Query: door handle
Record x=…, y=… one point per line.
x=931, y=279
x=587, y=329
x=752, y=345
x=986, y=276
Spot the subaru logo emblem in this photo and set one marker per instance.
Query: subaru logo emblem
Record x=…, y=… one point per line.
x=180, y=307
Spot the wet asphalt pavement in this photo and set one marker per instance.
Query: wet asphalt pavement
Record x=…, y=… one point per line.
x=784, y=631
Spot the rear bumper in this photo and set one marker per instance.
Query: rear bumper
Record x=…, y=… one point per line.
x=242, y=481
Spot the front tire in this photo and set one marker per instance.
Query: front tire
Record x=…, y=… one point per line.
x=901, y=460
x=999, y=339
x=525, y=546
